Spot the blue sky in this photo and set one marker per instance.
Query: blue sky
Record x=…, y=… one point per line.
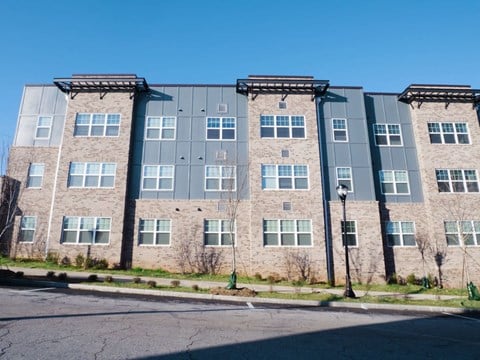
x=380, y=45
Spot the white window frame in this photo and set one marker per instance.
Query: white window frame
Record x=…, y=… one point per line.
x=158, y=177
x=110, y=121
x=35, y=171
x=155, y=232
x=399, y=228
x=291, y=126
x=461, y=233
x=387, y=131
x=161, y=128
x=336, y=129
x=79, y=230
x=222, y=129
x=221, y=231
x=41, y=126
x=350, y=233
x=25, y=226
x=280, y=231
x=395, y=182
x=345, y=180
x=223, y=175
x=87, y=171
x=276, y=176
x=439, y=128
x=453, y=181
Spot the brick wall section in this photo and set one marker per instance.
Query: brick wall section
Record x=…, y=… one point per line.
x=449, y=206
x=33, y=201
x=93, y=202
x=267, y=204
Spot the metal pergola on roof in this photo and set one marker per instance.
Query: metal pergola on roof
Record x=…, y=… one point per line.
x=440, y=93
x=283, y=85
x=102, y=84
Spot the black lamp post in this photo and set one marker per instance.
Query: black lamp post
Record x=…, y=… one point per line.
x=342, y=191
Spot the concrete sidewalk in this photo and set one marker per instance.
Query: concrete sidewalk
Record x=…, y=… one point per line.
x=76, y=277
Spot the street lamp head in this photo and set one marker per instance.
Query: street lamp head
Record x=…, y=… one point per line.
x=342, y=191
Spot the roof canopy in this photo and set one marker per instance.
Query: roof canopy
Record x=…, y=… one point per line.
x=440, y=93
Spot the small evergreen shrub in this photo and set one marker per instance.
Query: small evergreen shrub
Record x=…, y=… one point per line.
x=136, y=280
x=62, y=276
x=152, y=284
x=50, y=274
x=175, y=283
x=108, y=279
x=52, y=257
x=92, y=277
x=66, y=261
x=258, y=276
x=195, y=287
x=411, y=279
x=79, y=260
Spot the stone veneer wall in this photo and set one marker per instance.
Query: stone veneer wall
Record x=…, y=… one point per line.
x=93, y=202
x=449, y=206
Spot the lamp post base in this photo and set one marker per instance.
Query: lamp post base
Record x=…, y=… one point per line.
x=348, y=293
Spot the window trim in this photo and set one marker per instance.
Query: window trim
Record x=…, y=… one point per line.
x=461, y=235
x=442, y=134
x=350, y=233
x=279, y=233
x=334, y=130
x=49, y=127
x=161, y=128
x=221, y=128
x=219, y=232
x=155, y=232
x=90, y=125
x=22, y=229
x=394, y=182
x=451, y=182
x=401, y=234
x=158, y=177
x=290, y=126
x=221, y=178
x=79, y=230
x=85, y=174
x=387, y=134
x=30, y=176
x=277, y=177
x=338, y=179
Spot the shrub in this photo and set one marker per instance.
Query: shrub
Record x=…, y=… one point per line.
x=108, y=279
x=411, y=279
x=392, y=279
x=175, y=283
x=66, y=261
x=137, y=280
x=195, y=287
x=313, y=280
x=62, y=276
x=100, y=264
x=92, y=277
x=79, y=260
x=19, y=274
x=151, y=284
x=50, y=274
x=88, y=263
x=52, y=257
x=258, y=276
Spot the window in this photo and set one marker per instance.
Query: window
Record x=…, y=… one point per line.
x=285, y=177
x=448, y=133
x=344, y=177
x=219, y=232
x=157, y=177
x=220, y=178
x=35, y=175
x=27, y=228
x=457, y=180
x=282, y=126
x=92, y=175
x=44, y=126
x=387, y=134
x=400, y=233
x=351, y=232
x=154, y=232
x=287, y=232
x=86, y=230
x=97, y=125
x=394, y=182
x=462, y=233
x=339, y=127
x=160, y=128
x=221, y=128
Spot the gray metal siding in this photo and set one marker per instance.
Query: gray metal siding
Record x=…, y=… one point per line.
x=355, y=153
x=44, y=100
x=386, y=109
x=190, y=152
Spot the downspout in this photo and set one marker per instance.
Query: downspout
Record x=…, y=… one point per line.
x=326, y=210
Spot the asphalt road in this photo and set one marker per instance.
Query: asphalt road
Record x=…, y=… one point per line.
x=62, y=324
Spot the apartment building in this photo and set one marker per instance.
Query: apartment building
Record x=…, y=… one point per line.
x=170, y=176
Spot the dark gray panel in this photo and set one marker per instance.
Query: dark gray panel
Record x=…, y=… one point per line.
x=183, y=128
x=342, y=154
x=170, y=101
x=182, y=176
x=362, y=183
x=212, y=147
x=391, y=109
x=229, y=97
x=183, y=151
x=199, y=101
x=167, y=152
x=360, y=155
x=355, y=104
x=197, y=155
x=185, y=100
x=357, y=132
x=198, y=128
x=407, y=135
x=398, y=159
x=151, y=152
x=197, y=186
x=214, y=97
x=242, y=152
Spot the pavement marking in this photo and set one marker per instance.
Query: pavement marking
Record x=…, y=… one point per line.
x=250, y=305
x=32, y=290
x=460, y=316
